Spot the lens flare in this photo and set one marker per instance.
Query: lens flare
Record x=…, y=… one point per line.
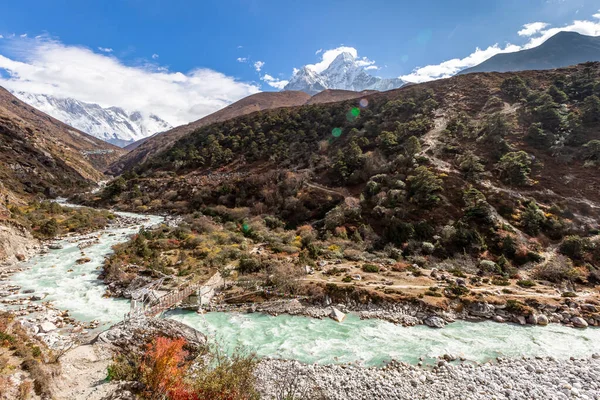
x=355, y=111
x=336, y=132
x=364, y=103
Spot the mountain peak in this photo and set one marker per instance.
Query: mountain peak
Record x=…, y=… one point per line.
x=111, y=124
x=343, y=73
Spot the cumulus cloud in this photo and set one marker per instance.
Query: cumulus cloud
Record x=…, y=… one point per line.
x=23, y=35
x=451, y=67
x=50, y=67
x=597, y=16
x=539, y=36
x=102, y=49
x=242, y=59
x=328, y=56
x=155, y=56
x=532, y=28
x=258, y=65
x=274, y=82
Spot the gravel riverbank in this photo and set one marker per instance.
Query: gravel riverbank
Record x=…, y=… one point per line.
x=506, y=379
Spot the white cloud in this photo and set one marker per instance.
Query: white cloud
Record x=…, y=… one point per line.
x=371, y=67
x=318, y=51
x=155, y=56
x=258, y=65
x=451, y=67
x=274, y=82
x=242, y=59
x=1, y=37
x=23, y=35
x=104, y=49
x=532, y=28
x=240, y=47
x=597, y=16
x=50, y=67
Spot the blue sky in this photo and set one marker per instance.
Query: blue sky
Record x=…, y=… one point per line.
x=178, y=37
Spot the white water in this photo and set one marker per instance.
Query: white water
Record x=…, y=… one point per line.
x=370, y=342
x=80, y=291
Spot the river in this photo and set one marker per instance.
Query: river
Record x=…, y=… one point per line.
x=369, y=342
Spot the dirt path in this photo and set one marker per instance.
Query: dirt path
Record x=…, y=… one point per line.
x=84, y=371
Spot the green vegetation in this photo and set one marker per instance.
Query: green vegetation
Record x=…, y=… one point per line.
x=49, y=219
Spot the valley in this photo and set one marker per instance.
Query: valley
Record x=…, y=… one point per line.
x=425, y=238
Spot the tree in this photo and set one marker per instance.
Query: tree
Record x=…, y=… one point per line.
x=387, y=141
x=532, y=218
x=592, y=150
x=547, y=113
x=424, y=187
x=591, y=110
x=538, y=137
x=515, y=168
x=515, y=88
x=163, y=366
x=476, y=205
x=49, y=228
x=412, y=146
x=470, y=165
x=558, y=95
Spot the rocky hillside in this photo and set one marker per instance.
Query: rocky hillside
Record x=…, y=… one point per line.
x=561, y=50
x=140, y=151
x=498, y=168
x=40, y=154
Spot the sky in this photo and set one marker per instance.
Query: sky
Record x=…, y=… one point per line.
x=185, y=59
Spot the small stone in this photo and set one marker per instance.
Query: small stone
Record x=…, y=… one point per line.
x=579, y=322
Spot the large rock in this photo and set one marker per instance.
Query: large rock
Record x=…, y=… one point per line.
x=482, y=309
x=133, y=335
x=542, y=320
x=47, y=326
x=579, y=322
x=435, y=322
x=337, y=315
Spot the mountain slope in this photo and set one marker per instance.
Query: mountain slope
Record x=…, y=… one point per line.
x=41, y=154
x=113, y=124
x=561, y=50
x=145, y=148
x=343, y=73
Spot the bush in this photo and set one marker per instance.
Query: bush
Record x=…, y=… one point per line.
x=526, y=283
x=370, y=268
x=500, y=281
x=249, y=265
x=514, y=88
x=574, y=247
x=557, y=270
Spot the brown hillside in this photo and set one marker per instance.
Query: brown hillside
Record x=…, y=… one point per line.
x=333, y=95
x=41, y=154
x=256, y=102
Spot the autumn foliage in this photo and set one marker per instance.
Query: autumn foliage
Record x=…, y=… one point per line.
x=166, y=374
x=164, y=367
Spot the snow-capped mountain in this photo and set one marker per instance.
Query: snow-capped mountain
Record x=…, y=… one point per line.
x=113, y=124
x=344, y=73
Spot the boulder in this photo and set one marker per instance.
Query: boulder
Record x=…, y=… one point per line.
x=521, y=319
x=532, y=319
x=435, y=322
x=47, y=326
x=337, y=315
x=579, y=322
x=482, y=309
x=498, y=318
x=542, y=320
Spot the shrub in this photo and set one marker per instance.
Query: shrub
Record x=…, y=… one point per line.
x=526, y=283
x=556, y=270
x=456, y=291
x=574, y=247
x=249, y=265
x=370, y=268
x=424, y=186
x=500, y=281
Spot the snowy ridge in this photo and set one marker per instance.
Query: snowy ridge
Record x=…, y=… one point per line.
x=343, y=73
x=113, y=124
